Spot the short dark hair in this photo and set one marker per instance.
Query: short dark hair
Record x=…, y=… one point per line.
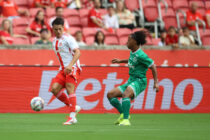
x=78, y=32
x=44, y=30
x=172, y=28
x=185, y=28
x=163, y=31
x=57, y=8
x=110, y=7
x=58, y=21
x=140, y=37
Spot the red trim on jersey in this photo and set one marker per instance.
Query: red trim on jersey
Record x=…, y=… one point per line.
x=59, y=56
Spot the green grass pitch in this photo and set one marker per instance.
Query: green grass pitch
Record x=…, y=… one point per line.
x=100, y=127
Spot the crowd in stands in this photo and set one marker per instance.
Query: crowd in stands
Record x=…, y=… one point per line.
x=30, y=22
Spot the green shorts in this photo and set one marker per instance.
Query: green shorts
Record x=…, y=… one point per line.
x=137, y=84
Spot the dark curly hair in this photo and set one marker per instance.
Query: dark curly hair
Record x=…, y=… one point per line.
x=140, y=37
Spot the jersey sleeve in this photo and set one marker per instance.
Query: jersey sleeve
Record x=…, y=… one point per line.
x=145, y=60
x=72, y=43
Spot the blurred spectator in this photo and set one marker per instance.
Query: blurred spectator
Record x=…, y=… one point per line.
x=99, y=39
x=43, y=3
x=192, y=16
x=79, y=38
x=125, y=17
x=186, y=39
x=10, y=10
x=162, y=38
x=74, y=4
x=180, y=32
x=44, y=38
x=207, y=19
x=6, y=35
x=38, y=24
x=60, y=3
x=172, y=38
x=87, y=4
x=94, y=17
x=59, y=13
x=111, y=20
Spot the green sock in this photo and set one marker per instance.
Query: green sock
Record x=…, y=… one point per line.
x=126, y=104
x=116, y=103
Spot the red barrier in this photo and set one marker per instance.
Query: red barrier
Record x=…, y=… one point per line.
x=88, y=57
x=182, y=90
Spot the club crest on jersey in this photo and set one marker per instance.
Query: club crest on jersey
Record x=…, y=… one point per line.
x=60, y=44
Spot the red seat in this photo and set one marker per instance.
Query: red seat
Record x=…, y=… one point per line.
x=83, y=12
x=22, y=3
x=204, y=33
x=155, y=41
x=74, y=21
x=34, y=39
x=84, y=22
x=178, y=5
x=1, y=19
x=111, y=40
x=151, y=11
x=169, y=2
x=30, y=3
x=73, y=30
x=134, y=5
x=20, y=22
x=21, y=41
x=89, y=40
x=207, y=5
x=123, y=40
x=205, y=40
x=149, y=41
x=123, y=32
x=70, y=13
x=33, y=11
x=108, y=33
x=50, y=12
x=89, y=32
x=169, y=18
x=20, y=30
x=103, y=11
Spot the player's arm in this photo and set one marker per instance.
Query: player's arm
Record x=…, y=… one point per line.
x=154, y=73
x=76, y=56
x=119, y=61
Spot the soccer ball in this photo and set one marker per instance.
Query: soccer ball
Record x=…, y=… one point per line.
x=37, y=103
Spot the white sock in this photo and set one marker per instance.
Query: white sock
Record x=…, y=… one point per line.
x=72, y=114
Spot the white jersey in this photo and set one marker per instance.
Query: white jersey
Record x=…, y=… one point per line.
x=63, y=48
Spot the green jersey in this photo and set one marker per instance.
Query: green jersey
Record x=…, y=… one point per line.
x=138, y=64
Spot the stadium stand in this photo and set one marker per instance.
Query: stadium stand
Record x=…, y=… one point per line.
x=151, y=13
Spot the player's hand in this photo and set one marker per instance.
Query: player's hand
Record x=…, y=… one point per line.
x=115, y=60
x=68, y=70
x=156, y=87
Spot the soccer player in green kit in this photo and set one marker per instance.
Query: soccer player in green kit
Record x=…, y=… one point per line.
x=138, y=64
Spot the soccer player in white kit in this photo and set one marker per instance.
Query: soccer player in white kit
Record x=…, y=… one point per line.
x=68, y=53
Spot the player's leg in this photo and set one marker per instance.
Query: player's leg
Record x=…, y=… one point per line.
x=131, y=92
x=56, y=88
x=72, y=104
x=126, y=104
x=112, y=97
